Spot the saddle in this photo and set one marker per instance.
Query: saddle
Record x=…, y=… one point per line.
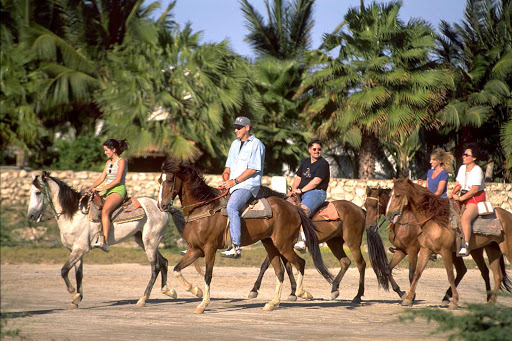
x=254, y=209
x=130, y=210
x=325, y=212
x=487, y=225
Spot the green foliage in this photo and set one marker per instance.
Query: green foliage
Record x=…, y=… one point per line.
x=4, y=331
x=482, y=322
x=81, y=153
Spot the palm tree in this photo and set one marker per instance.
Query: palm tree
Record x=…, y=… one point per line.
x=479, y=53
x=382, y=86
x=286, y=35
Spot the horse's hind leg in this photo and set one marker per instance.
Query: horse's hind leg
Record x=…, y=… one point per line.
x=494, y=255
x=264, y=266
x=275, y=260
x=75, y=257
x=163, y=272
x=79, y=274
x=291, y=277
x=336, y=246
x=189, y=258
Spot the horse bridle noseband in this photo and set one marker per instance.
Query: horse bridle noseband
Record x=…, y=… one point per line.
x=46, y=194
x=378, y=207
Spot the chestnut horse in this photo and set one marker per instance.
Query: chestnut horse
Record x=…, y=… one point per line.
x=349, y=230
x=404, y=237
x=432, y=214
x=205, y=235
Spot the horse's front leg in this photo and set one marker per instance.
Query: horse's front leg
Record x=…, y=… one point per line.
x=209, y=255
x=422, y=263
x=448, y=265
x=79, y=296
x=398, y=255
x=75, y=257
x=189, y=258
x=461, y=270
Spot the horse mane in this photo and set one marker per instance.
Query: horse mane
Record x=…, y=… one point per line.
x=426, y=201
x=266, y=192
x=190, y=174
x=68, y=198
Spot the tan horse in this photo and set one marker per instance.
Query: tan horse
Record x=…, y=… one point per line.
x=349, y=230
x=206, y=235
x=432, y=214
x=404, y=237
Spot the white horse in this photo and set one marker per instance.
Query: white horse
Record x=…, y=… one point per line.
x=78, y=233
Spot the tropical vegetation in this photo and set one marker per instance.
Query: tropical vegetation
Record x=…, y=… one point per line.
x=382, y=91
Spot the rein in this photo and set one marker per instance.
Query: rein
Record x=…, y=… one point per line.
x=46, y=194
x=378, y=206
x=202, y=203
x=88, y=194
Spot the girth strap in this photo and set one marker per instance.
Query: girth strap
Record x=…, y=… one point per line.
x=201, y=215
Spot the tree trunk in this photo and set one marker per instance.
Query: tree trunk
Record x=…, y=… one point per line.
x=21, y=157
x=369, y=148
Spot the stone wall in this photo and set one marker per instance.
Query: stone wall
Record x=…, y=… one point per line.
x=15, y=186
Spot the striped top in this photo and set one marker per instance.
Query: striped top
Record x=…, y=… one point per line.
x=112, y=170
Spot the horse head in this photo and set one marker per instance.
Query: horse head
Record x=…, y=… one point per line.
x=375, y=204
x=398, y=200
x=36, y=204
x=170, y=185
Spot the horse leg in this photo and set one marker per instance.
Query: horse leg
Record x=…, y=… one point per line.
x=275, y=260
x=189, y=258
x=74, y=257
x=422, y=263
x=291, y=277
x=79, y=275
x=163, y=272
x=209, y=254
x=264, y=266
x=478, y=257
x=397, y=258
x=494, y=255
x=299, y=263
x=336, y=246
x=461, y=270
x=447, y=255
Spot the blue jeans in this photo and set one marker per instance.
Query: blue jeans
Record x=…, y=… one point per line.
x=236, y=202
x=313, y=199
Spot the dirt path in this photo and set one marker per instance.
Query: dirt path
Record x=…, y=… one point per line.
x=38, y=298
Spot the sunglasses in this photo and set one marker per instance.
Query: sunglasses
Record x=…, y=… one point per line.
x=466, y=155
x=316, y=149
x=110, y=168
x=238, y=128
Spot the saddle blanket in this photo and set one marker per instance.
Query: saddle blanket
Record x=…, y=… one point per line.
x=489, y=225
x=326, y=212
x=256, y=209
x=130, y=210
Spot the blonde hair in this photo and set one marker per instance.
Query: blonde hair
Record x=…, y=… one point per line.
x=446, y=159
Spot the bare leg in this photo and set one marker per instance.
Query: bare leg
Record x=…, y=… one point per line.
x=470, y=214
x=112, y=202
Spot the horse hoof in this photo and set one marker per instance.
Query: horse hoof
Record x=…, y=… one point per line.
x=199, y=310
x=198, y=292
x=253, y=294
x=72, y=306
x=445, y=303
x=268, y=307
x=71, y=290
x=453, y=306
x=171, y=293
x=292, y=298
x=77, y=298
x=356, y=300
x=402, y=294
x=141, y=303
x=407, y=303
x=306, y=295
x=334, y=295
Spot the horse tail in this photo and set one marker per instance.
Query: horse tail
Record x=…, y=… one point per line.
x=179, y=221
x=506, y=284
x=312, y=243
x=377, y=255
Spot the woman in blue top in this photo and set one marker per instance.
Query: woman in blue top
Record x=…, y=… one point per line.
x=437, y=176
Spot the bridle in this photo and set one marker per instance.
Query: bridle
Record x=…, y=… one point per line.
x=404, y=203
x=379, y=205
x=47, y=197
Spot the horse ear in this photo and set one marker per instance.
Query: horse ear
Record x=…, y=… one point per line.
x=44, y=175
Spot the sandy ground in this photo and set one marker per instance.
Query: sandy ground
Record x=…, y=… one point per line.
x=36, y=297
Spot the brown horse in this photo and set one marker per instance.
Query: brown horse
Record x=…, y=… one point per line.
x=205, y=234
x=432, y=214
x=404, y=237
x=349, y=230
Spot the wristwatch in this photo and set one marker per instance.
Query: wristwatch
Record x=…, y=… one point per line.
x=236, y=181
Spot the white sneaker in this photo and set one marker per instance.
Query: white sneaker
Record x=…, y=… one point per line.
x=100, y=244
x=234, y=253
x=184, y=252
x=300, y=246
x=464, y=251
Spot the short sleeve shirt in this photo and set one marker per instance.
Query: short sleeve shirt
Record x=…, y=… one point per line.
x=250, y=154
x=475, y=177
x=308, y=171
x=433, y=183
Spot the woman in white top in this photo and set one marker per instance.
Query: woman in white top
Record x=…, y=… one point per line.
x=114, y=188
x=471, y=183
